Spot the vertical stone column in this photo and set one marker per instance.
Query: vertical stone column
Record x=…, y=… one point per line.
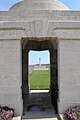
x=54, y=81
x=69, y=73
x=11, y=75
x=25, y=88
x=53, y=64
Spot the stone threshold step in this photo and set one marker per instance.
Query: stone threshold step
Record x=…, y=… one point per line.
x=42, y=119
x=17, y=118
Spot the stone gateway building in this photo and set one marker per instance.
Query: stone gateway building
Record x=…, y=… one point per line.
x=40, y=25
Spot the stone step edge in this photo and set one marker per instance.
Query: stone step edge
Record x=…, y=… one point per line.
x=16, y=118
x=63, y=117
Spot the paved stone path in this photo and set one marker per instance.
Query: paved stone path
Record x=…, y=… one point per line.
x=40, y=116
x=43, y=98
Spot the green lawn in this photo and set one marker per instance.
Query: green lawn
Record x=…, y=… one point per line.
x=39, y=80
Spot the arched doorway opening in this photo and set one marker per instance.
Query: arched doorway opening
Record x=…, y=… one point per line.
x=39, y=45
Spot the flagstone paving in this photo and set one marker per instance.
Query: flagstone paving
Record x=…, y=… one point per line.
x=43, y=98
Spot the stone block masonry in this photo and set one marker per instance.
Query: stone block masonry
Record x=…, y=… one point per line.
x=10, y=75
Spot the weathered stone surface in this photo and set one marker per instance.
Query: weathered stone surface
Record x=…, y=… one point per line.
x=69, y=73
x=39, y=27
x=39, y=5
x=10, y=74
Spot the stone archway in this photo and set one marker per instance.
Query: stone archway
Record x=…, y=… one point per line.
x=40, y=44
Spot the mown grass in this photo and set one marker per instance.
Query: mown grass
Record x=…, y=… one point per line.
x=39, y=80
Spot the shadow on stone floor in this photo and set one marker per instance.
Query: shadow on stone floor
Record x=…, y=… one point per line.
x=40, y=98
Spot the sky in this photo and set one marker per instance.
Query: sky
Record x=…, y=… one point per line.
x=35, y=55
x=44, y=55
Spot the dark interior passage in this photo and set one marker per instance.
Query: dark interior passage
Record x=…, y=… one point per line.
x=52, y=96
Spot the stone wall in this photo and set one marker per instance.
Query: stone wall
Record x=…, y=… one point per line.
x=69, y=73
x=10, y=75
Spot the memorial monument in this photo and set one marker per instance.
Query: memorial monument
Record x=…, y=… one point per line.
x=40, y=25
